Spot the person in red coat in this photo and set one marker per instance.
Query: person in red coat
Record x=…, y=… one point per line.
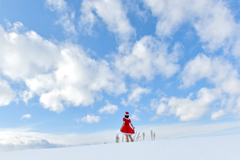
x=126, y=129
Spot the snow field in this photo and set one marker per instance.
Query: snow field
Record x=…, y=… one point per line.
x=201, y=148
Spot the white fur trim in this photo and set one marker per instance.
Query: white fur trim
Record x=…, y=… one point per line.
x=128, y=133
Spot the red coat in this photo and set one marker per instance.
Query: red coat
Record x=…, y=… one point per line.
x=126, y=129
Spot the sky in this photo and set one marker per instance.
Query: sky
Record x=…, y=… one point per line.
x=71, y=69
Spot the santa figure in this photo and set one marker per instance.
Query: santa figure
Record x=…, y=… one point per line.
x=126, y=129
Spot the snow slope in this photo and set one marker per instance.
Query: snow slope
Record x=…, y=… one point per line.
x=203, y=148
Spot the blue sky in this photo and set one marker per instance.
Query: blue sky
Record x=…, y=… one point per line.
x=72, y=68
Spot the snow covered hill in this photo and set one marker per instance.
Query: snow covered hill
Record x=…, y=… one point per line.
x=203, y=148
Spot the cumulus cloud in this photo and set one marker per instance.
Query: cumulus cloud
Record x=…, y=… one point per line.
x=134, y=6
x=217, y=114
x=67, y=22
x=218, y=72
x=109, y=108
x=154, y=118
x=7, y=95
x=111, y=12
x=186, y=108
x=136, y=95
x=236, y=48
x=59, y=5
x=91, y=119
x=212, y=20
x=149, y=57
x=27, y=116
x=15, y=27
x=20, y=51
x=135, y=115
x=66, y=19
x=78, y=79
x=59, y=74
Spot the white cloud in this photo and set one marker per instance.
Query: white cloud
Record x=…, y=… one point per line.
x=221, y=74
x=25, y=95
x=87, y=19
x=217, y=70
x=185, y=108
x=77, y=80
x=24, y=55
x=212, y=20
x=59, y=5
x=67, y=23
x=109, y=108
x=27, y=116
x=91, y=119
x=66, y=19
x=167, y=22
x=217, y=114
x=134, y=6
x=154, y=118
x=111, y=12
x=196, y=69
x=7, y=95
x=59, y=74
x=149, y=57
x=15, y=27
x=135, y=115
x=236, y=49
x=136, y=95
x=217, y=26
x=236, y=110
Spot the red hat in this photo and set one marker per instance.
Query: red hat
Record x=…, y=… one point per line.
x=126, y=113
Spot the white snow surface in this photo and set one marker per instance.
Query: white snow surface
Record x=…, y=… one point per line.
x=201, y=148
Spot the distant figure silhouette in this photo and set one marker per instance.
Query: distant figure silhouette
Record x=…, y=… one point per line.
x=126, y=129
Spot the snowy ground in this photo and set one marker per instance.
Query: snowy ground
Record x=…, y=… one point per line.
x=203, y=148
